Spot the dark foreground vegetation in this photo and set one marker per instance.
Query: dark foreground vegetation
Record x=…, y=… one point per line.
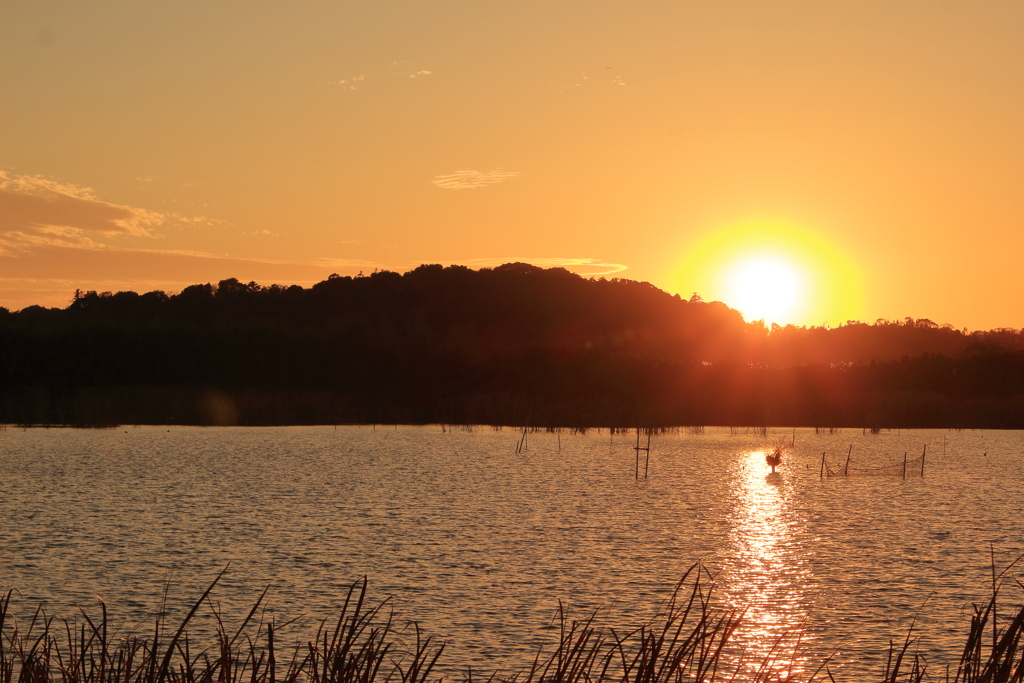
x=689, y=640
x=512, y=345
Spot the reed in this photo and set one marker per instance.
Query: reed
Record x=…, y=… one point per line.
x=688, y=640
x=363, y=645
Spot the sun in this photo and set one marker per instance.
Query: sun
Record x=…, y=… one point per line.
x=774, y=271
x=765, y=287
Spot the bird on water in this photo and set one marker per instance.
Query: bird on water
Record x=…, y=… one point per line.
x=774, y=456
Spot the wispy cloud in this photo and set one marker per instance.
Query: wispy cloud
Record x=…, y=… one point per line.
x=596, y=80
x=469, y=179
x=30, y=203
x=582, y=266
x=420, y=73
x=194, y=220
x=20, y=240
x=350, y=83
x=37, y=212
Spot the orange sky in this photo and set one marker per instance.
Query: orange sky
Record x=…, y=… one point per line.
x=152, y=145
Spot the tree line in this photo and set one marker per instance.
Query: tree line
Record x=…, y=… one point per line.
x=507, y=345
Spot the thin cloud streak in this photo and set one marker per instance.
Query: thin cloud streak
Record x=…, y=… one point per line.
x=581, y=266
x=48, y=275
x=470, y=179
x=52, y=263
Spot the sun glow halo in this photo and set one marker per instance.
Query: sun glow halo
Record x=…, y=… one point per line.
x=765, y=287
x=772, y=270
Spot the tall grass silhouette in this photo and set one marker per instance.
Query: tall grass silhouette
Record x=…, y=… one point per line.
x=688, y=640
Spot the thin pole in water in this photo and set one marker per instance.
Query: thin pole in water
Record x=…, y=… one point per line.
x=794, y=437
x=647, y=457
x=646, y=449
x=904, y=464
x=636, y=469
x=559, y=435
x=821, y=473
x=846, y=470
x=924, y=453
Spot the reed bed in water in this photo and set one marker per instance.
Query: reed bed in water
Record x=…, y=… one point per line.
x=688, y=640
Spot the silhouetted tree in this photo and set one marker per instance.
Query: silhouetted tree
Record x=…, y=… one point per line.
x=454, y=344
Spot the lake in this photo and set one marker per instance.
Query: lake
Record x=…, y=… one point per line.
x=478, y=543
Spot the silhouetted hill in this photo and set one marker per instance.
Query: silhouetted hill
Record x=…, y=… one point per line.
x=487, y=346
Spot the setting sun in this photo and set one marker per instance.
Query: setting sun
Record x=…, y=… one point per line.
x=773, y=271
x=765, y=287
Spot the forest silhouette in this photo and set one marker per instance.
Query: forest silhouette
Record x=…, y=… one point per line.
x=512, y=345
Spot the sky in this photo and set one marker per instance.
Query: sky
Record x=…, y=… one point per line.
x=853, y=160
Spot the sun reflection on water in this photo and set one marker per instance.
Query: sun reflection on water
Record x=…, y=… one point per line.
x=767, y=571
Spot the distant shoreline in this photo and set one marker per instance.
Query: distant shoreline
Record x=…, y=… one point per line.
x=203, y=406
x=515, y=345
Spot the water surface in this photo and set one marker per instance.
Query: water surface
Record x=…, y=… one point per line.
x=478, y=543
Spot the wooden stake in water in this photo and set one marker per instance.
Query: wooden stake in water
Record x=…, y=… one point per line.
x=924, y=453
x=821, y=473
x=846, y=470
x=647, y=454
x=904, y=464
x=647, y=450
x=523, y=444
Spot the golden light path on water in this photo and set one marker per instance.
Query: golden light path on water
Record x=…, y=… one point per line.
x=767, y=573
